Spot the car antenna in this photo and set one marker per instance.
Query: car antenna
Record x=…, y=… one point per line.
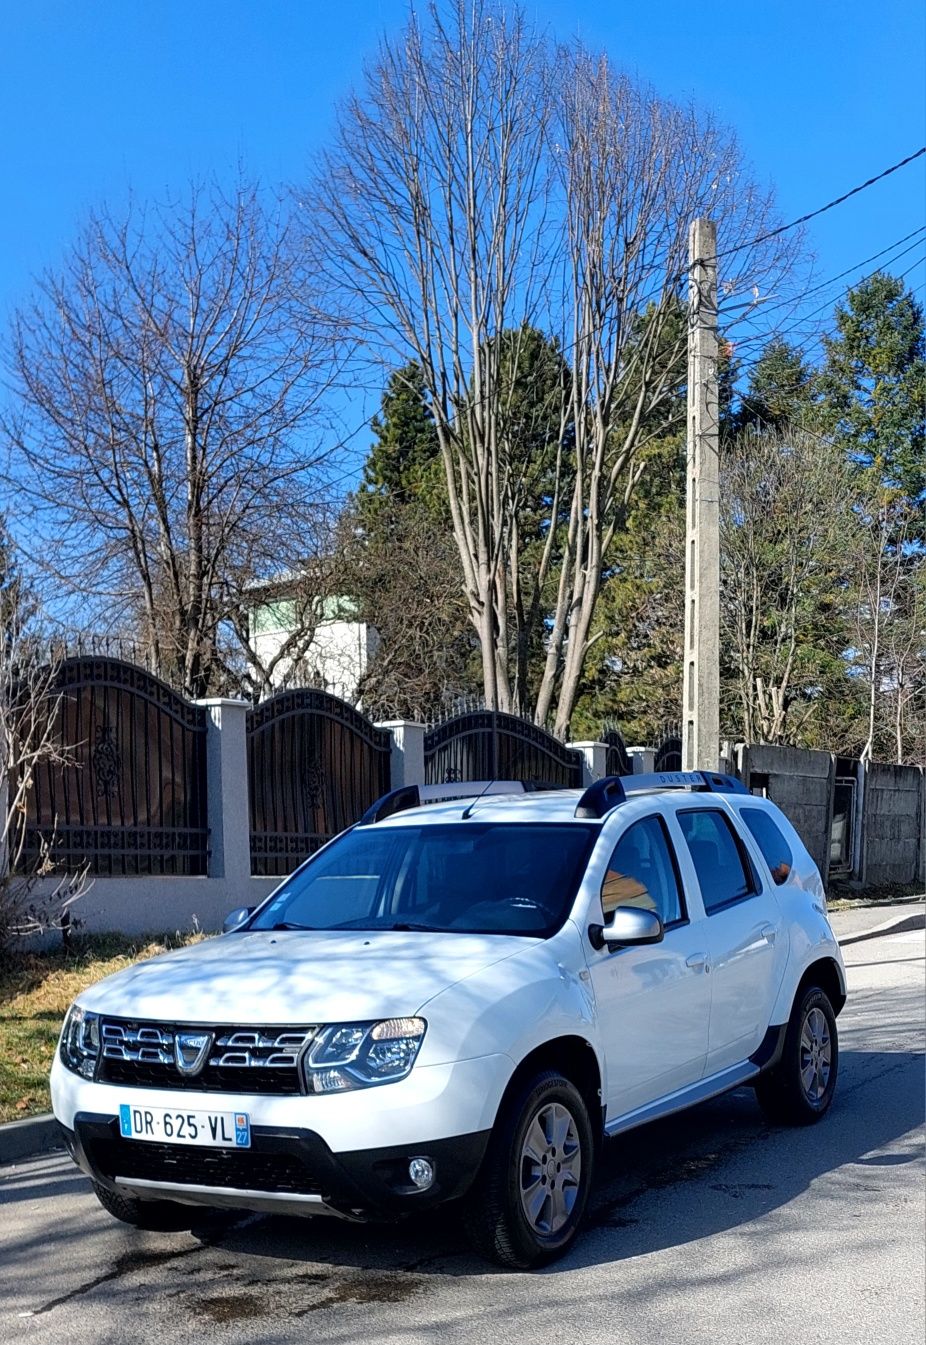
x=467, y=811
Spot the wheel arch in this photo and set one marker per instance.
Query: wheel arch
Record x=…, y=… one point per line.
x=575, y=1058
x=828, y=975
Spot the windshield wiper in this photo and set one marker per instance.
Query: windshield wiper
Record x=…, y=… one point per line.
x=404, y=926
x=288, y=924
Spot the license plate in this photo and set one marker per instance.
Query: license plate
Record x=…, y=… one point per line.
x=209, y=1129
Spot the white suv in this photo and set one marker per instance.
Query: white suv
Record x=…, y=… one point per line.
x=459, y=1002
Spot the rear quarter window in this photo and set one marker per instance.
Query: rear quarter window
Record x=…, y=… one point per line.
x=769, y=838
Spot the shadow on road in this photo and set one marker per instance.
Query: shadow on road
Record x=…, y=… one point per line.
x=715, y=1168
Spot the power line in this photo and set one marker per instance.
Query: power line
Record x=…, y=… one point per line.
x=825, y=284
x=812, y=214
x=781, y=335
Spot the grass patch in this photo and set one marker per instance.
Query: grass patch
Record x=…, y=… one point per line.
x=842, y=897
x=36, y=990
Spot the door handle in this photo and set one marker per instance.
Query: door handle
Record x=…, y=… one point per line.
x=769, y=933
x=698, y=962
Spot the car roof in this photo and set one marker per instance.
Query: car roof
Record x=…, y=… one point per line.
x=548, y=806
x=553, y=805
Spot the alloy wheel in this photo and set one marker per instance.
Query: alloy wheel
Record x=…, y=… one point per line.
x=550, y=1169
x=816, y=1059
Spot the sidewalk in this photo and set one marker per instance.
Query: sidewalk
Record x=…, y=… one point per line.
x=869, y=922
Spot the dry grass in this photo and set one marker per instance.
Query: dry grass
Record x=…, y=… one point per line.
x=36, y=989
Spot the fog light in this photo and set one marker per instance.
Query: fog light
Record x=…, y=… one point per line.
x=421, y=1173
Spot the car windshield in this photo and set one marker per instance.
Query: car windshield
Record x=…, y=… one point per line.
x=470, y=877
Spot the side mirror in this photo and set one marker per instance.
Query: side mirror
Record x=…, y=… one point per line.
x=235, y=919
x=630, y=928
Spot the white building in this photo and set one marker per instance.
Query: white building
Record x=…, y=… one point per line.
x=337, y=656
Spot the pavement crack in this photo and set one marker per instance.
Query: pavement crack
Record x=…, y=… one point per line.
x=124, y=1265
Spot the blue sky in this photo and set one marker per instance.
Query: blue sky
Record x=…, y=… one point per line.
x=102, y=96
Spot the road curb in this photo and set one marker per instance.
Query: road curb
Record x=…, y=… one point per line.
x=898, y=924
x=862, y=904
x=34, y=1135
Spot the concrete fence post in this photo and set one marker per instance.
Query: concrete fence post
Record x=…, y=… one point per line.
x=407, y=765
x=642, y=759
x=594, y=760
x=227, y=809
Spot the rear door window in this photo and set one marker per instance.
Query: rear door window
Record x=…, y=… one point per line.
x=767, y=835
x=724, y=873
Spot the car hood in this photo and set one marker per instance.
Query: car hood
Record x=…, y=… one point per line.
x=297, y=976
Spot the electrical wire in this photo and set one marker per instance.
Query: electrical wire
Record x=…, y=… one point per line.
x=824, y=284
x=812, y=214
x=781, y=335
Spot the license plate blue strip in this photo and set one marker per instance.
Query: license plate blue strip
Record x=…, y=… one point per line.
x=125, y=1121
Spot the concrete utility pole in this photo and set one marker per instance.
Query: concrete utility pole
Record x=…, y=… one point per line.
x=701, y=691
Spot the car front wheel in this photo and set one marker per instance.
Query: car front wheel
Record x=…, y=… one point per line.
x=799, y=1090
x=163, y=1215
x=528, y=1201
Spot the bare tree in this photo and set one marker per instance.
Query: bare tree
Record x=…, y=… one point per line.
x=487, y=183
x=787, y=528
x=167, y=439
x=35, y=894
x=404, y=576
x=890, y=625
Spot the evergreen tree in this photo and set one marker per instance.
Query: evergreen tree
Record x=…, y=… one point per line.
x=404, y=460
x=779, y=392
x=874, y=383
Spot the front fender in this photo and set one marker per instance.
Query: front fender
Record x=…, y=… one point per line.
x=515, y=1005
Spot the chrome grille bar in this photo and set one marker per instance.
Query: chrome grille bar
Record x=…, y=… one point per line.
x=130, y=1044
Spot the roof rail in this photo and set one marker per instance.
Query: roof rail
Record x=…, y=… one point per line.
x=413, y=796
x=607, y=793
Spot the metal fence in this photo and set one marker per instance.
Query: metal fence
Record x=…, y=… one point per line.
x=314, y=765
x=669, y=750
x=617, y=761
x=489, y=745
x=128, y=794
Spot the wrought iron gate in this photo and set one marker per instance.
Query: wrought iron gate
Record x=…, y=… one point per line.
x=617, y=761
x=669, y=750
x=489, y=745
x=129, y=794
x=314, y=765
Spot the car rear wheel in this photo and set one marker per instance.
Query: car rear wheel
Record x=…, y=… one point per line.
x=164, y=1215
x=799, y=1090
x=528, y=1201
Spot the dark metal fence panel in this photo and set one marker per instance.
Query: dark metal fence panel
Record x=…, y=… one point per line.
x=315, y=764
x=617, y=761
x=669, y=751
x=129, y=797
x=488, y=745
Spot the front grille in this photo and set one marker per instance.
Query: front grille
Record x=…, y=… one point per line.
x=183, y=1164
x=240, y=1059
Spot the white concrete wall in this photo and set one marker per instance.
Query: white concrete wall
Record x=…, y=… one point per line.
x=336, y=659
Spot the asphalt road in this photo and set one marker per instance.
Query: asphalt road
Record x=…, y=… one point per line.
x=712, y=1227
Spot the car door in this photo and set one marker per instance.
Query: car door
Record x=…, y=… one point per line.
x=653, y=1002
x=744, y=934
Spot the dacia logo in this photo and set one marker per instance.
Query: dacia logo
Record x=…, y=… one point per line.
x=191, y=1050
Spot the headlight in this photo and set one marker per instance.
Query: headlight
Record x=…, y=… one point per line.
x=80, y=1041
x=359, y=1055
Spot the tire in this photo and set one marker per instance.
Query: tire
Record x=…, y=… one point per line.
x=162, y=1215
x=541, y=1159
x=799, y=1090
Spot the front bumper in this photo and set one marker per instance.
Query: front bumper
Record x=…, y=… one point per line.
x=285, y=1171
x=344, y=1152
